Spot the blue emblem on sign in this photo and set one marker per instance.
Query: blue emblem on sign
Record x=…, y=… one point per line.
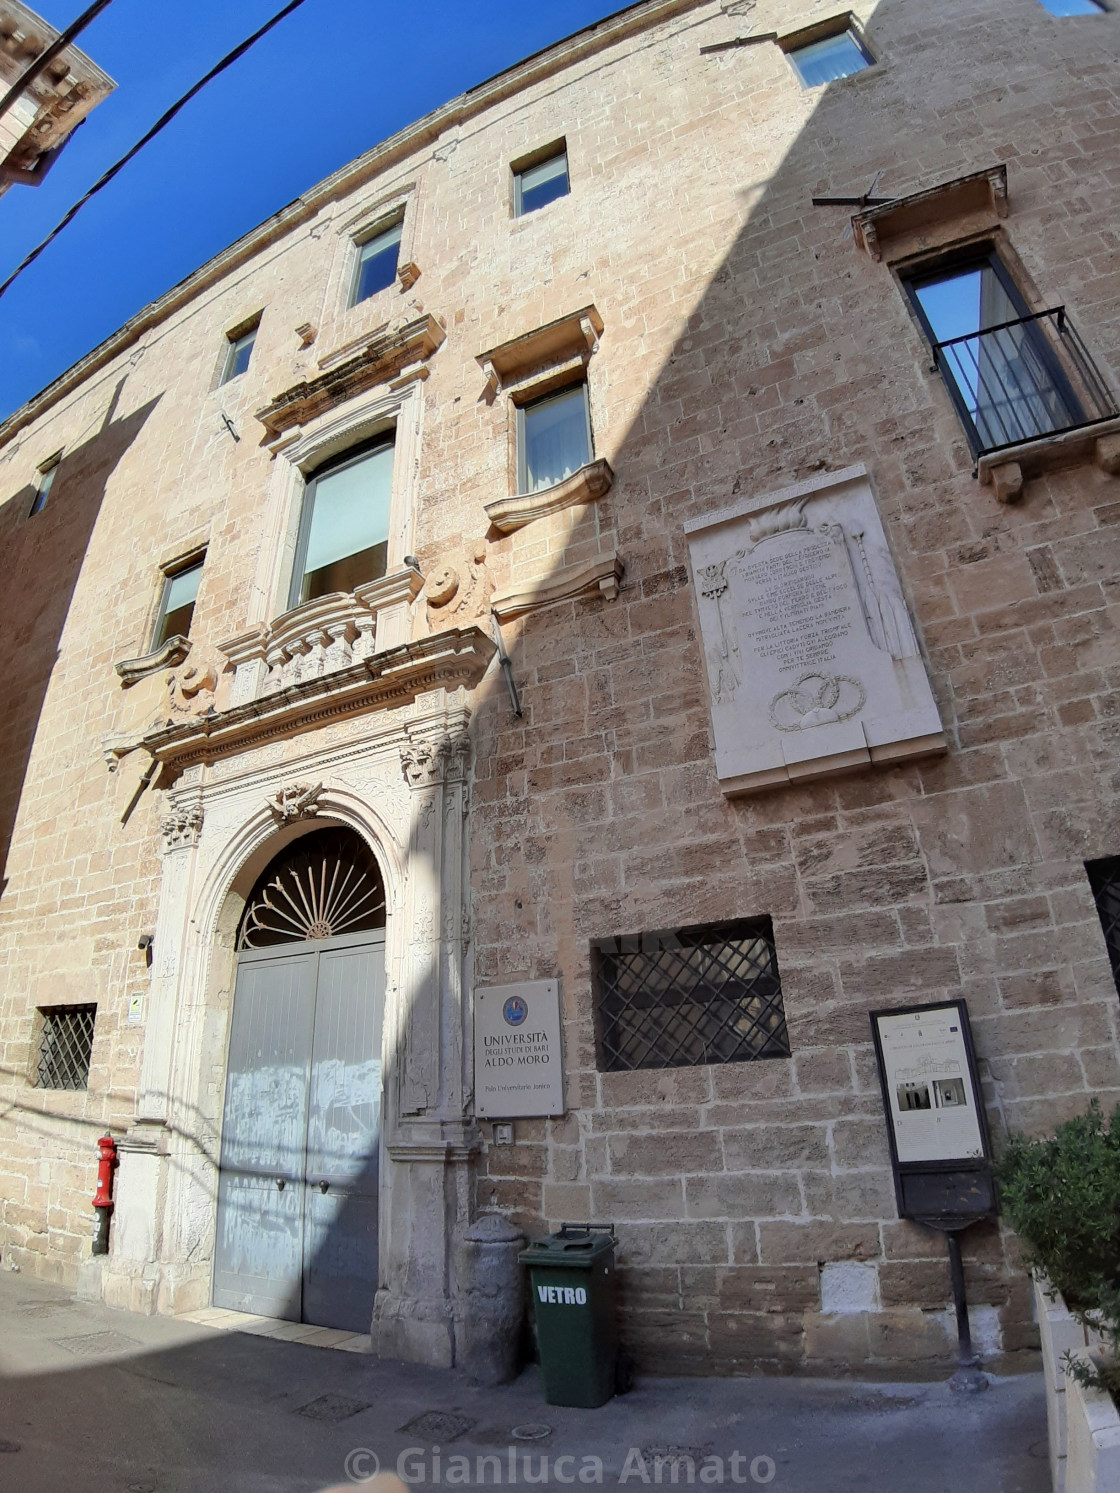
x=515, y=1010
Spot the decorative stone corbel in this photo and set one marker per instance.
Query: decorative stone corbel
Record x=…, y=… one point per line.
x=295, y=801
x=181, y=826
x=1106, y=453
x=132, y=670
x=1007, y=479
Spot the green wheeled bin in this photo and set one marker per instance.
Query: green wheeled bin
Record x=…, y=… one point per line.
x=571, y=1282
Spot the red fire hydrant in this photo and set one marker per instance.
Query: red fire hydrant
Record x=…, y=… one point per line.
x=103, y=1199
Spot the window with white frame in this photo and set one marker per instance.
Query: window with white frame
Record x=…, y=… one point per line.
x=827, y=58
x=541, y=182
x=176, y=606
x=239, y=352
x=344, y=525
x=44, y=481
x=377, y=262
x=553, y=438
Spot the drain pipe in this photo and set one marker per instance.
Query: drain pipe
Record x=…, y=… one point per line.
x=507, y=666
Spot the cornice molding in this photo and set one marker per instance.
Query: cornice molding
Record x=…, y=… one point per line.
x=451, y=660
x=425, y=132
x=571, y=336
x=384, y=354
x=587, y=485
x=895, y=228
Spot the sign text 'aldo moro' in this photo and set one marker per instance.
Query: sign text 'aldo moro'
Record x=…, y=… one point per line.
x=517, y=1064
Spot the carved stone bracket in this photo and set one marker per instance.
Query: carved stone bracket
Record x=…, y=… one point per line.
x=132, y=670
x=181, y=826
x=575, y=335
x=427, y=763
x=295, y=801
x=600, y=576
x=585, y=486
x=1007, y=471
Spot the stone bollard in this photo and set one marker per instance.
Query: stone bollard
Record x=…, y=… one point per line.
x=493, y=1301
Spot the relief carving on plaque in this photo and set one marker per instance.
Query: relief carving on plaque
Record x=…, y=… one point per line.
x=812, y=659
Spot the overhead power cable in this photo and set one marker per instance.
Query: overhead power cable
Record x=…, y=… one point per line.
x=44, y=59
x=161, y=122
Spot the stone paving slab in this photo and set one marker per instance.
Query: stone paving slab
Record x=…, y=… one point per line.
x=187, y=1407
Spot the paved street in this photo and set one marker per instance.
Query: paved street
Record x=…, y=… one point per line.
x=100, y=1401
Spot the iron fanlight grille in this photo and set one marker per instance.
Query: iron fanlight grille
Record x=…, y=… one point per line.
x=1104, y=878
x=677, y=998
x=324, y=884
x=65, y=1045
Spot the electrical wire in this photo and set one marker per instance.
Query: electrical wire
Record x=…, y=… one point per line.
x=161, y=122
x=44, y=59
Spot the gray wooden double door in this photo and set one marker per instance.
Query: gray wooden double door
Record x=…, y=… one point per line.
x=297, y=1188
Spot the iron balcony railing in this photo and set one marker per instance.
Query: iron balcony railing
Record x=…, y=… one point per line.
x=1023, y=379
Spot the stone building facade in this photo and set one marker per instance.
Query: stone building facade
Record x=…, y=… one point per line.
x=750, y=356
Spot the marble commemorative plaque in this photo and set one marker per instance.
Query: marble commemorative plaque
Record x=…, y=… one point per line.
x=812, y=660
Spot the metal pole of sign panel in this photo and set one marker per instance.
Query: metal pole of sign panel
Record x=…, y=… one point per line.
x=938, y=1135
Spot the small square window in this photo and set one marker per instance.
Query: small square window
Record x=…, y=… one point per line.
x=1074, y=7
x=833, y=57
x=688, y=996
x=554, y=438
x=65, y=1046
x=238, y=354
x=1104, y=878
x=43, y=484
x=537, y=185
x=377, y=263
x=176, y=608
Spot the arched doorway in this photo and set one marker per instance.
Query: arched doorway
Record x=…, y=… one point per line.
x=298, y=1180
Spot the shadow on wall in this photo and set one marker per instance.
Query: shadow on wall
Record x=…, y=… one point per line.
x=41, y=559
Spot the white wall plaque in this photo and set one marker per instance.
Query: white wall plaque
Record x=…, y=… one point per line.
x=813, y=664
x=518, y=1069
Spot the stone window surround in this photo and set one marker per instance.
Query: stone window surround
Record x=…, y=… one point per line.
x=823, y=30
x=529, y=367
x=295, y=457
x=240, y=328
x=343, y=324
x=179, y=556
x=919, y=232
x=526, y=161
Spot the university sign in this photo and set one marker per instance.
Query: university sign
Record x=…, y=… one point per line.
x=518, y=1070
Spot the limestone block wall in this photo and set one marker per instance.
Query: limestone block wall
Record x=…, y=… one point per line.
x=747, y=342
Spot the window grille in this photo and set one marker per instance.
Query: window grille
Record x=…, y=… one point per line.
x=65, y=1045
x=1104, y=878
x=681, y=997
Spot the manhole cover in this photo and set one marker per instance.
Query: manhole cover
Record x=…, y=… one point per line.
x=10, y=1446
x=94, y=1344
x=332, y=1408
x=675, y=1460
x=437, y=1425
x=531, y=1432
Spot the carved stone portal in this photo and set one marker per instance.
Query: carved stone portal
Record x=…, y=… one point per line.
x=813, y=663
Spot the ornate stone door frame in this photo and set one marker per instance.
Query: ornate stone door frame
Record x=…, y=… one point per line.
x=401, y=781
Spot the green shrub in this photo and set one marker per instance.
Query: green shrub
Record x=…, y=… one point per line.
x=1062, y=1196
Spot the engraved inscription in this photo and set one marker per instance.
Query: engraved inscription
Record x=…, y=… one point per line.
x=797, y=604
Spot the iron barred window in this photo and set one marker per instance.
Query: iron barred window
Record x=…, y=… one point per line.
x=1104, y=878
x=686, y=996
x=65, y=1046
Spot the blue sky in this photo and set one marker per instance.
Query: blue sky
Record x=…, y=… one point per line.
x=330, y=81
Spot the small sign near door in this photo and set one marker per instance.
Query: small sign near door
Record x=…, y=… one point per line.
x=518, y=1068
